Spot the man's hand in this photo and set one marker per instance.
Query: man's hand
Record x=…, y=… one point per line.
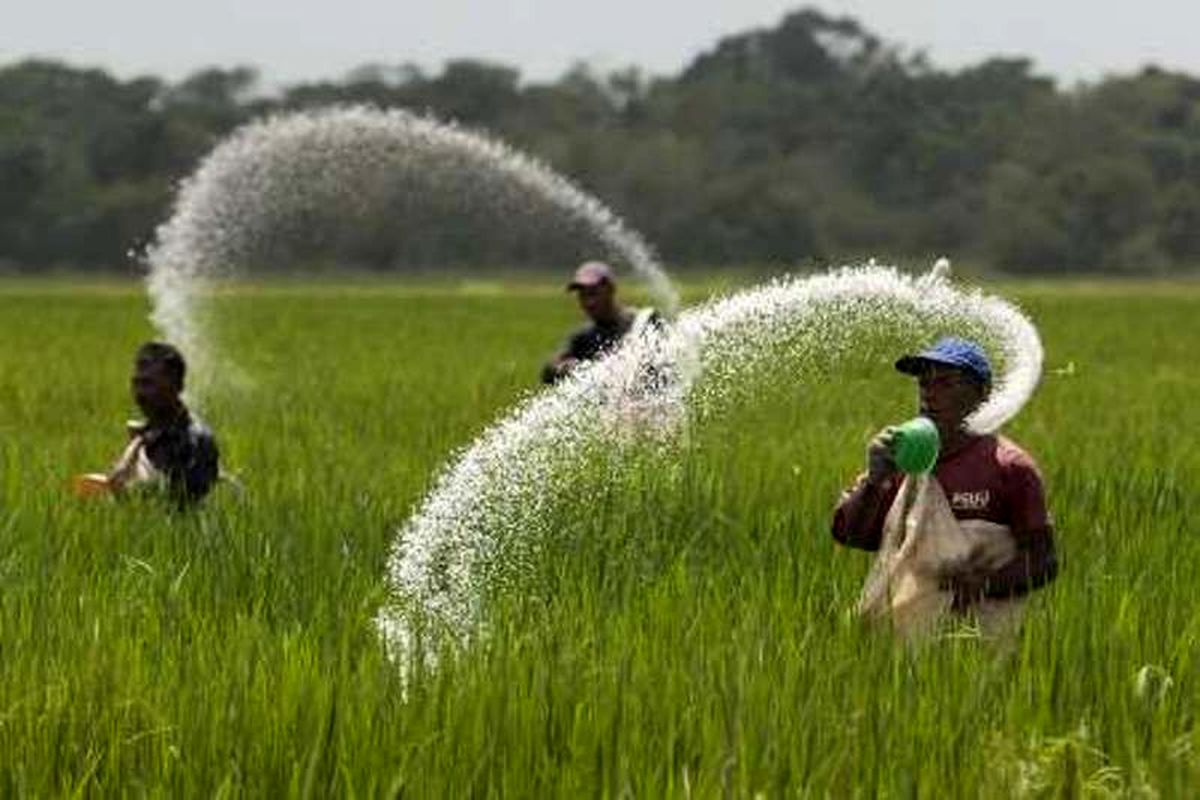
x=880, y=463
x=564, y=365
x=967, y=579
x=558, y=368
x=968, y=589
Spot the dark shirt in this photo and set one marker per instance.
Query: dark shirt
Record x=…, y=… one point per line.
x=185, y=452
x=990, y=478
x=595, y=340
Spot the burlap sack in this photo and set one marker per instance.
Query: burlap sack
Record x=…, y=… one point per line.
x=922, y=541
x=135, y=466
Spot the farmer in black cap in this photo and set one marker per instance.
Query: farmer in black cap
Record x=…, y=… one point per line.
x=985, y=477
x=171, y=448
x=596, y=288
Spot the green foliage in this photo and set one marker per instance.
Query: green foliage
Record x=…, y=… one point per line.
x=808, y=141
x=685, y=633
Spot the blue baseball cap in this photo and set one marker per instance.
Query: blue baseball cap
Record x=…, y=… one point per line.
x=950, y=352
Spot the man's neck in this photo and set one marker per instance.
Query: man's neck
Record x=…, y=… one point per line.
x=617, y=318
x=167, y=417
x=956, y=440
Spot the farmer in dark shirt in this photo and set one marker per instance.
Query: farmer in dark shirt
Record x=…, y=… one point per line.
x=596, y=288
x=171, y=447
x=985, y=477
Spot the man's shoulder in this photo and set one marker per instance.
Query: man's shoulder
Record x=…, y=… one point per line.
x=1013, y=458
x=583, y=333
x=651, y=316
x=200, y=434
x=994, y=452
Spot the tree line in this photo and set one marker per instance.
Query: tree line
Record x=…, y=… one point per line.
x=808, y=142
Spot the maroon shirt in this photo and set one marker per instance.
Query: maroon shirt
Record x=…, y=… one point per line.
x=990, y=478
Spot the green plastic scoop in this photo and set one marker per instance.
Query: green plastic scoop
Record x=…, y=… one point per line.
x=915, y=445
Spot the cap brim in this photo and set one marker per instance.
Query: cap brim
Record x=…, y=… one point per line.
x=912, y=365
x=573, y=285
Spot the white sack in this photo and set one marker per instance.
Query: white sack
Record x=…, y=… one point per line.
x=922, y=541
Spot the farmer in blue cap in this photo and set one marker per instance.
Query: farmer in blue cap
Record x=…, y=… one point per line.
x=985, y=477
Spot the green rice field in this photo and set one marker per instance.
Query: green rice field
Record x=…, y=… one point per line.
x=683, y=637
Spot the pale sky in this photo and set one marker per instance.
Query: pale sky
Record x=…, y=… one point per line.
x=295, y=40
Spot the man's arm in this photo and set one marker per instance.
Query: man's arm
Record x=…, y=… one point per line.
x=567, y=359
x=559, y=367
x=1034, y=566
x=859, y=517
x=204, y=467
x=193, y=466
x=1036, y=561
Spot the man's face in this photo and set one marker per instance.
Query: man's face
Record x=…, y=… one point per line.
x=948, y=395
x=153, y=390
x=597, y=301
